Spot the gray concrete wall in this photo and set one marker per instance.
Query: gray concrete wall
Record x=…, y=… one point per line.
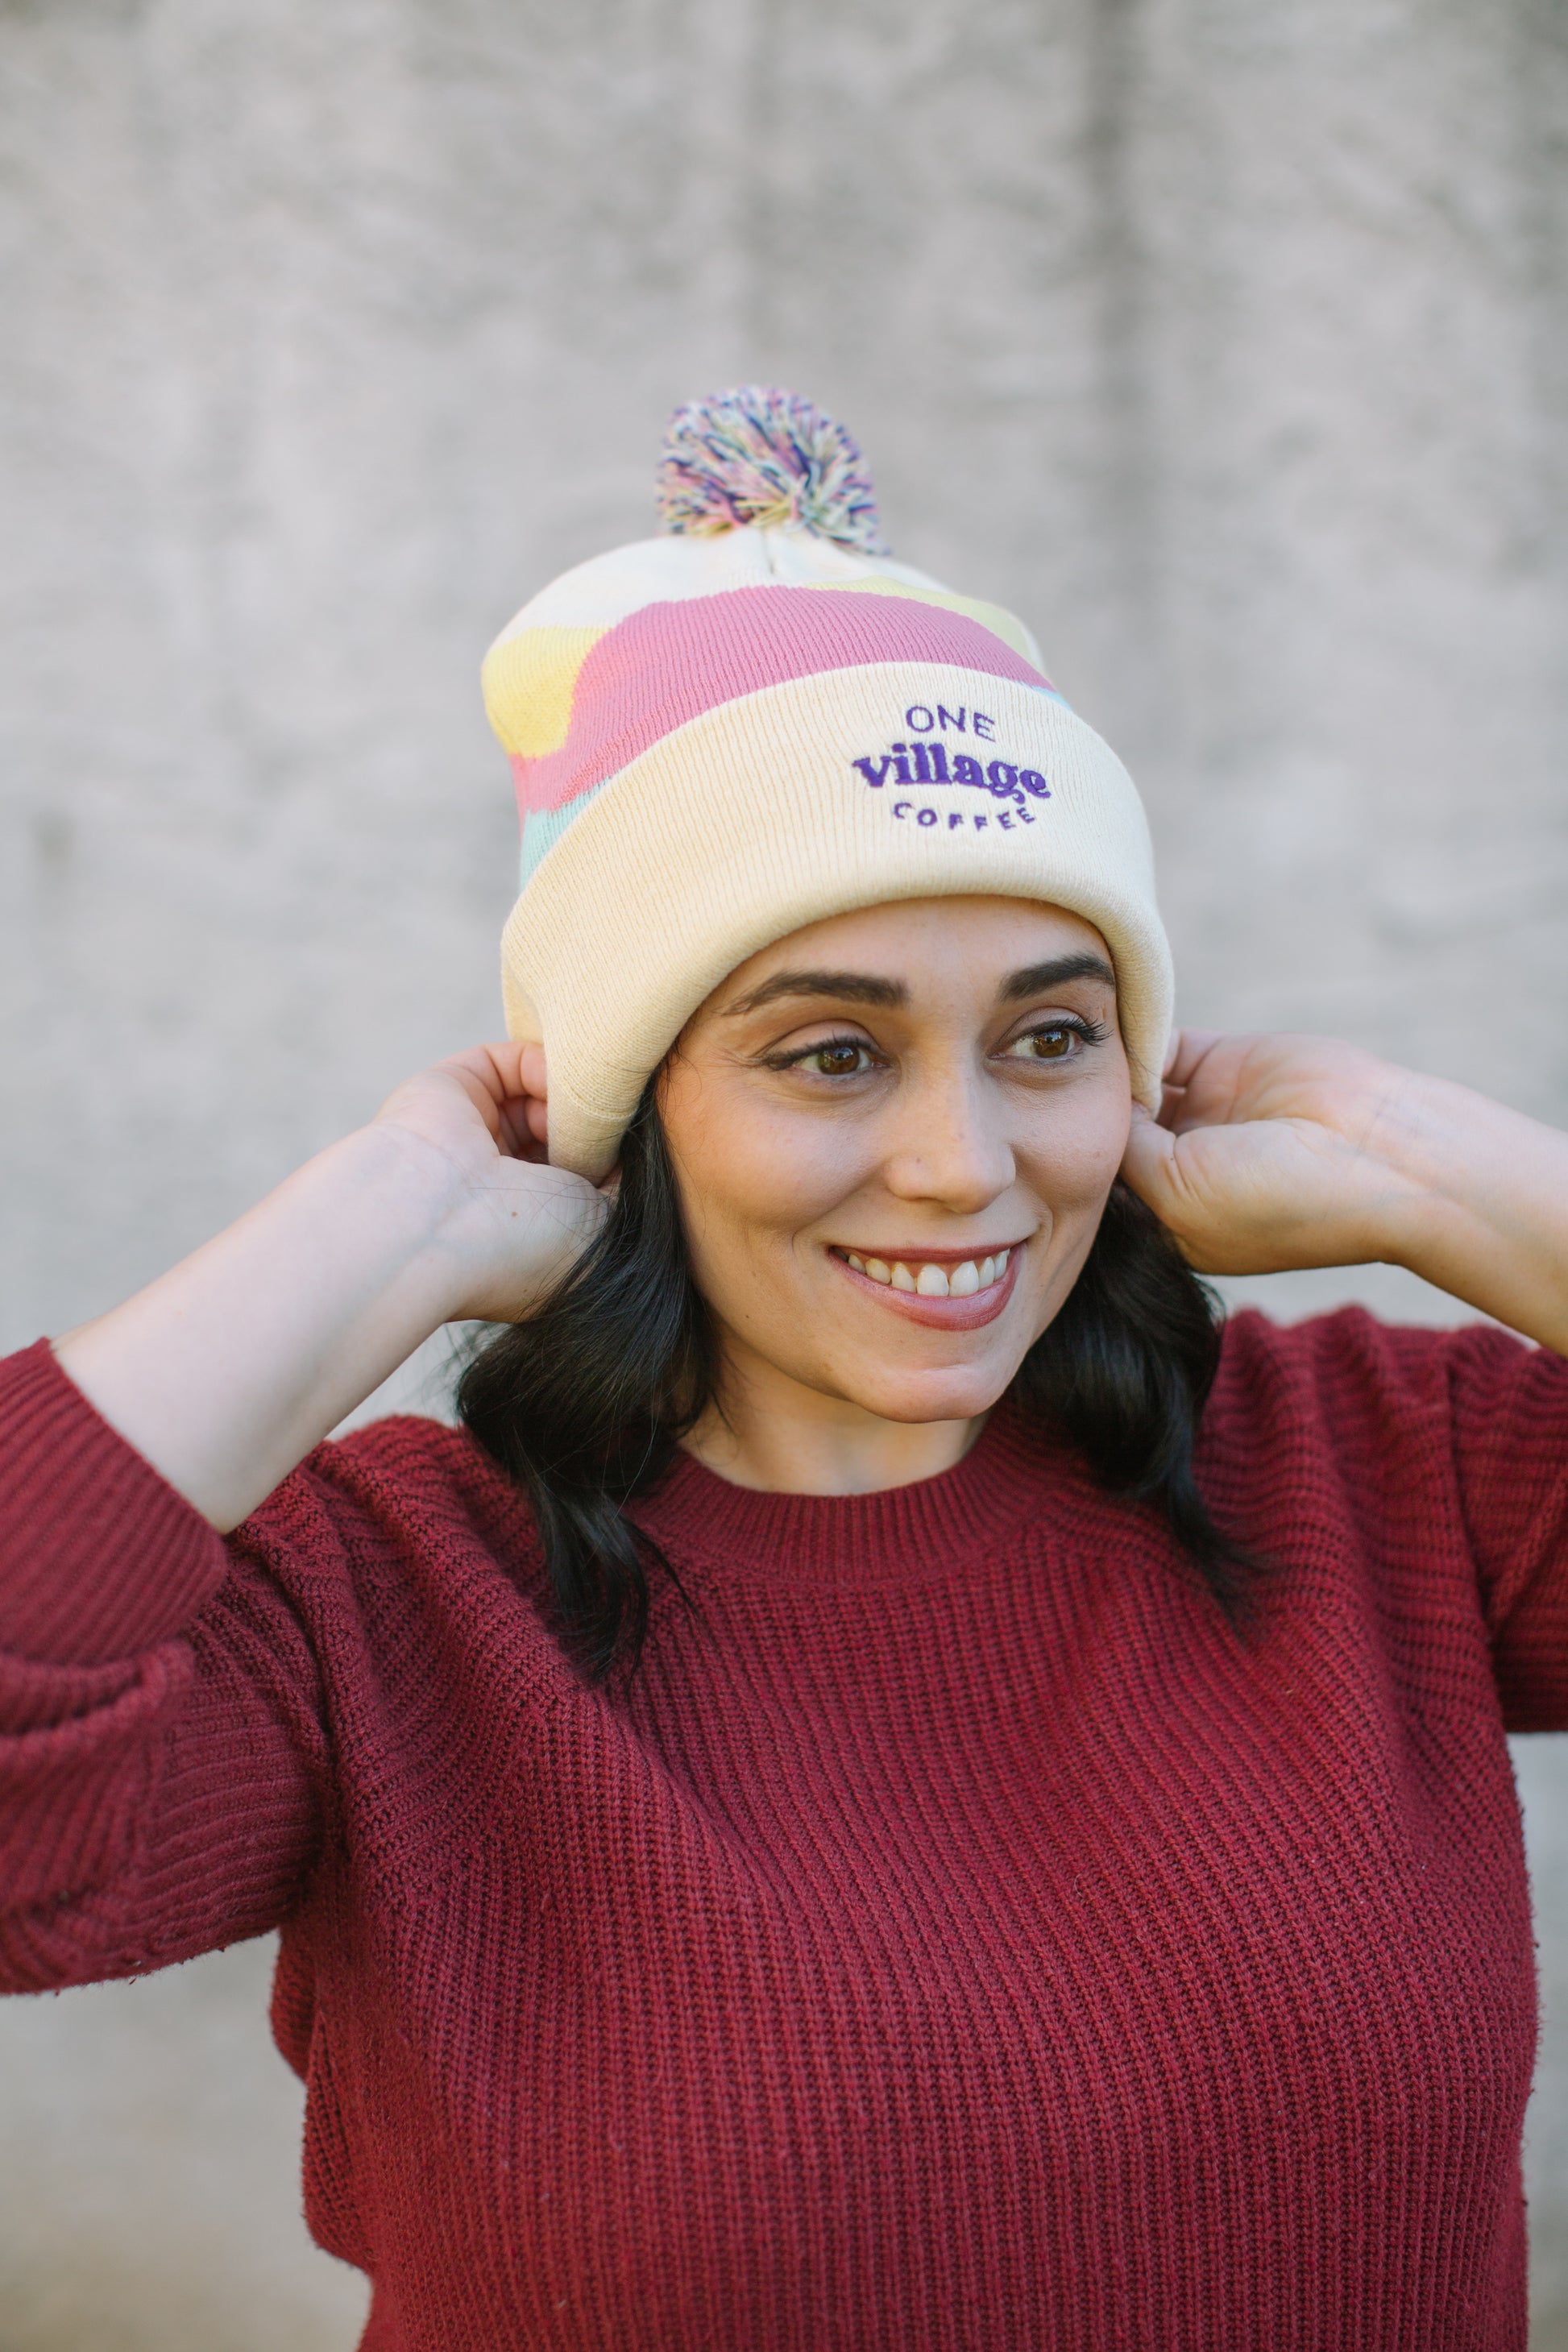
x=1226, y=339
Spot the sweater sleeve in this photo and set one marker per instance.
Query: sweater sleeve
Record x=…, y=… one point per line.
x=1436, y=1457
x=162, y=1758
x=1508, y=1404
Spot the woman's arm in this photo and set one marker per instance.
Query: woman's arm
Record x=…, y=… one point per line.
x=225, y=1372
x=1279, y=1151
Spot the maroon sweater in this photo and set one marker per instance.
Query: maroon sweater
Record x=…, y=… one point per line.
x=954, y=1938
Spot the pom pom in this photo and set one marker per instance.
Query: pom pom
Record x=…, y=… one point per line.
x=758, y=455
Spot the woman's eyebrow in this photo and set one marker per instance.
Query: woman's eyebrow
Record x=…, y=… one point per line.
x=847, y=987
x=1036, y=977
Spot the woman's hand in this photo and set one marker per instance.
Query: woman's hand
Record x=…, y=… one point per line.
x=1276, y=1151
x=1279, y=1151
x=514, y=1223
x=228, y=1369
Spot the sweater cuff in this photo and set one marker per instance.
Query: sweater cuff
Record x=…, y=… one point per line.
x=99, y=1556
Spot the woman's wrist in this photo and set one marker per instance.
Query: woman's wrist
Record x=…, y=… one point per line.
x=410, y=1199
x=1478, y=1203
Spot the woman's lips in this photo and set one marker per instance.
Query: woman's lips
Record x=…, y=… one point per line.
x=969, y=1313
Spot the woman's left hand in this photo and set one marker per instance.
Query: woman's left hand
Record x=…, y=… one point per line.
x=1279, y=1151
x=1275, y=1151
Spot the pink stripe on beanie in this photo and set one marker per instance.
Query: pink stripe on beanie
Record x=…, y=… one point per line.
x=667, y=663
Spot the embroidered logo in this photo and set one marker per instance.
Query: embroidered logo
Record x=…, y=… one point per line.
x=925, y=758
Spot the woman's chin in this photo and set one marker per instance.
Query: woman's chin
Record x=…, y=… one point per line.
x=953, y=1393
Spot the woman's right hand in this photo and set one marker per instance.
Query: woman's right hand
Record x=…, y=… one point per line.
x=516, y=1224
x=228, y=1369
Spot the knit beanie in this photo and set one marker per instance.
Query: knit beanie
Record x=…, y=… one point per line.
x=758, y=720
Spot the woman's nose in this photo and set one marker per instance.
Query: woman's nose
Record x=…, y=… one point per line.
x=950, y=1146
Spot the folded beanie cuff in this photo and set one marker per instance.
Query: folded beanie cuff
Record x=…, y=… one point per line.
x=806, y=798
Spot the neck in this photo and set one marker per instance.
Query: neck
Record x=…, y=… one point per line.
x=768, y=1432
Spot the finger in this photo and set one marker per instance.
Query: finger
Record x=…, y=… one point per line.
x=537, y=1113
x=493, y=1072
x=504, y=1070
x=1187, y=1050
x=513, y=1131
x=1170, y=1101
x=1147, y=1162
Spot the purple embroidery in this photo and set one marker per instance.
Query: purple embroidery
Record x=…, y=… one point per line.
x=926, y=762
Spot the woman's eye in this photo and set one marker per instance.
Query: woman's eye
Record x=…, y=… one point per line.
x=1053, y=1042
x=839, y=1060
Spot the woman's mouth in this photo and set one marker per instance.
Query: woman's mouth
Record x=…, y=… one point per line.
x=950, y=1293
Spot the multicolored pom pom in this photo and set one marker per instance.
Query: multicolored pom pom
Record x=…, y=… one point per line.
x=758, y=455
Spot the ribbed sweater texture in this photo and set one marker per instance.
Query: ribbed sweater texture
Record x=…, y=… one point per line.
x=954, y=1937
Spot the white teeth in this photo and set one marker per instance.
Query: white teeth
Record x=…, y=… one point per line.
x=933, y=1281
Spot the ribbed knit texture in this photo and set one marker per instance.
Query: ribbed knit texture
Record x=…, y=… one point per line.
x=955, y=1938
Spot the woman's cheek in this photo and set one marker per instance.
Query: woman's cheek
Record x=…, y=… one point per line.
x=781, y=1174
x=1071, y=1168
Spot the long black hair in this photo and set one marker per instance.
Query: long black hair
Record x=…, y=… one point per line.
x=585, y=1403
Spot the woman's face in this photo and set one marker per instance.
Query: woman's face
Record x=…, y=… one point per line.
x=894, y=1133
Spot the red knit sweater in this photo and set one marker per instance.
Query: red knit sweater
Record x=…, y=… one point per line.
x=955, y=1938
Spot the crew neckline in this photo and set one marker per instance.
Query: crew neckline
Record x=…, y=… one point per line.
x=894, y=1535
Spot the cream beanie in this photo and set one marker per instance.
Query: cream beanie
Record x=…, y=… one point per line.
x=760, y=720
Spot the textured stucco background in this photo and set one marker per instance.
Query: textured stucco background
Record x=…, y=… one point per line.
x=1226, y=339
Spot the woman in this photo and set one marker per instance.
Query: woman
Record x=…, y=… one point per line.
x=891, y=1787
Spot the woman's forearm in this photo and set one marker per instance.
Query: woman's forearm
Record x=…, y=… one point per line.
x=228, y=1369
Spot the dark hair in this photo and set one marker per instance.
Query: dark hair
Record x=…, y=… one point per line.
x=584, y=1403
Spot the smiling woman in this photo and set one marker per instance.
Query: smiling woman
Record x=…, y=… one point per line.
x=896, y=1784
x=915, y=1111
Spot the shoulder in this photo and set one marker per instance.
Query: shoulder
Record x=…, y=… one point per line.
x=406, y=1566
x=1330, y=1365
x=420, y=1461
x=404, y=1504
x=1371, y=1414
